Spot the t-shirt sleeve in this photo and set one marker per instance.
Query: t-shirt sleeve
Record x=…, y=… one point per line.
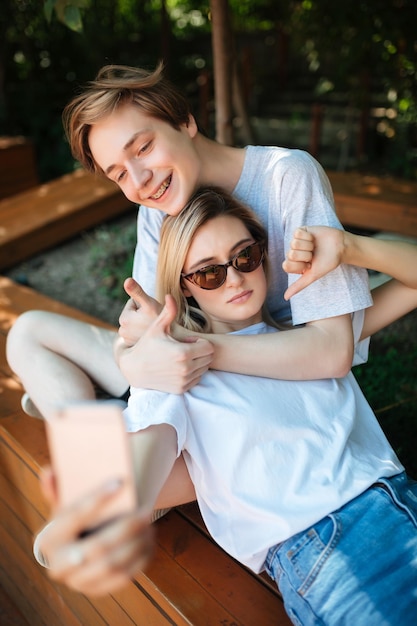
x=146, y=252
x=361, y=347
x=149, y=408
x=307, y=199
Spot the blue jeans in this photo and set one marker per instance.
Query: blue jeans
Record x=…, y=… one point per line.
x=358, y=565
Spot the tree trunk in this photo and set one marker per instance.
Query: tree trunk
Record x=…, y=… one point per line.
x=165, y=37
x=246, y=131
x=223, y=62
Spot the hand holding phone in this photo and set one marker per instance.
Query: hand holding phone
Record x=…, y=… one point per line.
x=89, y=447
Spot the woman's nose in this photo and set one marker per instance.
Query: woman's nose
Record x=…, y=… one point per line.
x=233, y=276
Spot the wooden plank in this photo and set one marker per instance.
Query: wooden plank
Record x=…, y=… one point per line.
x=46, y=215
x=48, y=602
x=15, y=299
x=191, y=512
x=22, y=465
x=18, y=170
x=241, y=593
x=10, y=614
x=375, y=203
x=34, y=594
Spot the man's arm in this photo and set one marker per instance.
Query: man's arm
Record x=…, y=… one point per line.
x=316, y=250
x=290, y=355
x=320, y=349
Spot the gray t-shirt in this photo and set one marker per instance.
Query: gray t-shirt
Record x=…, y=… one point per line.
x=287, y=189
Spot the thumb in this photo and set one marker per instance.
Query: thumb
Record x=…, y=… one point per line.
x=135, y=291
x=166, y=317
x=301, y=283
x=48, y=486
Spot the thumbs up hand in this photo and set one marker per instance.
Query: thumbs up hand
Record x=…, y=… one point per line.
x=158, y=360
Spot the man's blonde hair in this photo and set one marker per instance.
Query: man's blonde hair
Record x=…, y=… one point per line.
x=115, y=86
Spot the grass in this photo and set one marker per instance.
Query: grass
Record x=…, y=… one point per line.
x=389, y=382
x=111, y=257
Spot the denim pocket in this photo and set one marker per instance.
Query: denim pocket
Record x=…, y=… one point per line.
x=310, y=551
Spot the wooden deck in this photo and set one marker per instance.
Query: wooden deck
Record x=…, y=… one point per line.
x=375, y=203
x=191, y=580
x=18, y=170
x=45, y=215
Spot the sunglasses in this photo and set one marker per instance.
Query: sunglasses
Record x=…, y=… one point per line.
x=213, y=276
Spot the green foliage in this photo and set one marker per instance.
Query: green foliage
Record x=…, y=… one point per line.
x=362, y=53
x=111, y=256
x=375, y=44
x=389, y=383
x=67, y=11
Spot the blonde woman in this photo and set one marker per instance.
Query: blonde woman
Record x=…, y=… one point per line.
x=292, y=477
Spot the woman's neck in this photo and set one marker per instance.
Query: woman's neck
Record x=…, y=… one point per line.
x=222, y=327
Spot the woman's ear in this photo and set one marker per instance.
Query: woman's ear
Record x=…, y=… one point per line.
x=187, y=293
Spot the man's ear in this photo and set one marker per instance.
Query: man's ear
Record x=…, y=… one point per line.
x=191, y=126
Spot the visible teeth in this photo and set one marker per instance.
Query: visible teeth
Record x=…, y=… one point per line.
x=161, y=190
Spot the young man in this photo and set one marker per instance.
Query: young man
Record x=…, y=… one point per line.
x=135, y=128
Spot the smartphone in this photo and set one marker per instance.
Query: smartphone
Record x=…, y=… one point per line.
x=89, y=447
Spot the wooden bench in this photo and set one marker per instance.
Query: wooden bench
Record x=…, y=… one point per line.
x=375, y=203
x=191, y=581
x=18, y=170
x=45, y=215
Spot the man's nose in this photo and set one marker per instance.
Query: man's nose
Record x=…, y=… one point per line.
x=140, y=175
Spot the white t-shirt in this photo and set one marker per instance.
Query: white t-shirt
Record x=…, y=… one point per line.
x=268, y=458
x=287, y=189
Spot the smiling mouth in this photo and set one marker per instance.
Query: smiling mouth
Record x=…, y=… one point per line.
x=162, y=189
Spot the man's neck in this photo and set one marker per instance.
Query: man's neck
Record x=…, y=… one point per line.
x=221, y=166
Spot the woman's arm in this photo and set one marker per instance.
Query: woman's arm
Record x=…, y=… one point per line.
x=106, y=559
x=317, y=250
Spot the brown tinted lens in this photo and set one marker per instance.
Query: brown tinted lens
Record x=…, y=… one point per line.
x=210, y=277
x=249, y=259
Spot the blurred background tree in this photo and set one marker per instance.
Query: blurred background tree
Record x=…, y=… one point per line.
x=337, y=79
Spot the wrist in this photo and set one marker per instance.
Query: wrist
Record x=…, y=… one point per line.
x=349, y=248
x=180, y=333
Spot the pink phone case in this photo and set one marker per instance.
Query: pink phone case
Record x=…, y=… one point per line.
x=89, y=447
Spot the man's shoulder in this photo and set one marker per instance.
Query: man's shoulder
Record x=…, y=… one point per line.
x=276, y=157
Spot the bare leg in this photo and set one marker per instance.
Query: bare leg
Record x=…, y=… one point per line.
x=58, y=358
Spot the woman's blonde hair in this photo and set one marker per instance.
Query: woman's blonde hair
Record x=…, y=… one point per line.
x=177, y=233
x=115, y=86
